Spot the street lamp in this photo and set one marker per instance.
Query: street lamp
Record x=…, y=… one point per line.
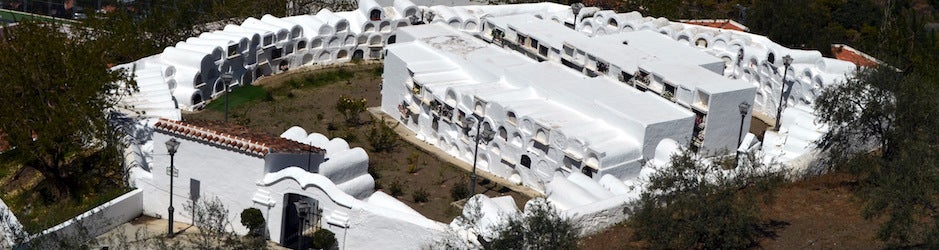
x=787, y=60
x=226, y=79
x=303, y=208
x=744, y=109
x=171, y=146
x=485, y=136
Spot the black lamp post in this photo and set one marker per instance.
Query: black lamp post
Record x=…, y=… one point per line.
x=303, y=208
x=484, y=136
x=226, y=79
x=171, y=147
x=787, y=60
x=744, y=109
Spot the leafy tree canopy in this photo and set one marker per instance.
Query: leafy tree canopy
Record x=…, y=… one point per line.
x=58, y=97
x=694, y=204
x=894, y=109
x=539, y=227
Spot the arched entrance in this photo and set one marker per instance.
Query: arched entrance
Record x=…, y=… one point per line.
x=293, y=223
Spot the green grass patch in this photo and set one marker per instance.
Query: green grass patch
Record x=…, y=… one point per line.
x=238, y=97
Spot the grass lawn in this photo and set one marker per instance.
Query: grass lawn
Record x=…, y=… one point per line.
x=237, y=97
x=307, y=98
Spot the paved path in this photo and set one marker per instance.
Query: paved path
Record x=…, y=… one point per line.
x=410, y=137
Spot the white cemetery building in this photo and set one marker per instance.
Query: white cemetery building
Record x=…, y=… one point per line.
x=547, y=119
x=644, y=60
x=576, y=104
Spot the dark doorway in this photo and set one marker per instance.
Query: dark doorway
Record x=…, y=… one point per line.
x=293, y=224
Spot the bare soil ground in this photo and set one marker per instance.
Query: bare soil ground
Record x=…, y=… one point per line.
x=817, y=213
x=313, y=108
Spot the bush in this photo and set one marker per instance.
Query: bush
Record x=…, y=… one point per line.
x=459, y=192
x=420, y=195
x=373, y=170
x=323, y=239
x=382, y=137
x=350, y=109
x=693, y=204
x=252, y=219
x=540, y=227
x=395, y=188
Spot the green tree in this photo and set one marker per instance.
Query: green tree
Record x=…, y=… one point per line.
x=539, y=227
x=900, y=181
x=59, y=96
x=858, y=111
x=694, y=204
x=895, y=109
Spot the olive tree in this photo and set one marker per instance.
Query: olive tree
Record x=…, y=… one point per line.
x=692, y=203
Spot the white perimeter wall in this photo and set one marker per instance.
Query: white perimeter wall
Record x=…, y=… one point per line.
x=100, y=219
x=221, y=173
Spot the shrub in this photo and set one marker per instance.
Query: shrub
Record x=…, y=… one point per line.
x=420, y=195
x=412, y=162
x=373, y=170
x=350, y=109
x=692, y=204
x=323, y=239
x=459, y=192
x=252, y=219
x=382, y=137
x=539, y=227
x=395, y=188
x=350, y=135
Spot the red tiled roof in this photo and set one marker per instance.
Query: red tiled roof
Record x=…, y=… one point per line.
x=234, y=137
x=718, y=23
x=847, y=53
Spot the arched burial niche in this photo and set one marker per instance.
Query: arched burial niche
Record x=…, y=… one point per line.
x=358, y=55
x=196, y=99
x=701, y=42
x=511, y=117
x=525, y=161
x=374, y=15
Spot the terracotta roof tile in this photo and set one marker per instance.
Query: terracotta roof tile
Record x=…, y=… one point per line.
x=847, y=53
x=718, y=23
x=234, y=137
